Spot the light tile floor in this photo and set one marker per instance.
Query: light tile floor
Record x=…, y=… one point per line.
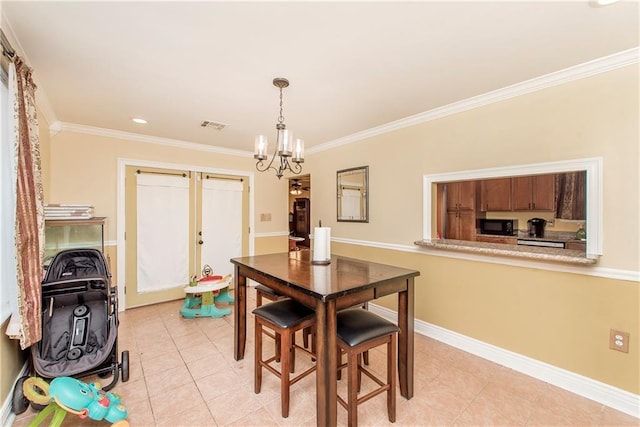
x=182, y=373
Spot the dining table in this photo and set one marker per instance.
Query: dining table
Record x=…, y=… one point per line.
x=327, y=288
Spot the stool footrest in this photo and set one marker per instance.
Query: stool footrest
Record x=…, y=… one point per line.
x=281, y=320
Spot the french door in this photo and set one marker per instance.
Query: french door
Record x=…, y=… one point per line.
x=176, y=223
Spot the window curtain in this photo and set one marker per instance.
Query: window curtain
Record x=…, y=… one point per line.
x=29, y=223
x=221, y=222
x=163, y=232
x=571, y=195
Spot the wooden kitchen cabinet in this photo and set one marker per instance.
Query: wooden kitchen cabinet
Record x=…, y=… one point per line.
x=461, y=225
x=460, y=220
x=497, y=239
x=533, y=193
x=495, y=194
x=461, y=195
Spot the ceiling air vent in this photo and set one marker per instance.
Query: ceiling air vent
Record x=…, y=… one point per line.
x=214, y=125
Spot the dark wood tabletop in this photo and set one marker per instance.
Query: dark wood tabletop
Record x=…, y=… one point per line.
x=342, y=277
x=344, y=282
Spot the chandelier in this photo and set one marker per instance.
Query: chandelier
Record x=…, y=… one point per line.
x=289, y=152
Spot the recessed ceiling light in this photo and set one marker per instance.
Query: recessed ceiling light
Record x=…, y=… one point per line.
x=139, y=121
x=600, y=3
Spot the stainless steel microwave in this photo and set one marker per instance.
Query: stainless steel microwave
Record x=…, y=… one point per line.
x=501, y=227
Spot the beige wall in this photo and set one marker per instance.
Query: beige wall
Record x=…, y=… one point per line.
x=559, y=318
x=271, y=245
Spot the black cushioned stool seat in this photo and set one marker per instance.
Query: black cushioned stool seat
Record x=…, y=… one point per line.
x=263, y=292
x=284, y=317
x=358, y=331
x=285, y=313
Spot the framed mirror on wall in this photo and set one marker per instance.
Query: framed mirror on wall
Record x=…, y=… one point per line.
x=353, y=194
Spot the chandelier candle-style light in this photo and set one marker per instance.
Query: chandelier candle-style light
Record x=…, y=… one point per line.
x=286, y=147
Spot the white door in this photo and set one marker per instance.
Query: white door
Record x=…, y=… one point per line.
x=176, y=222
x=221, y=223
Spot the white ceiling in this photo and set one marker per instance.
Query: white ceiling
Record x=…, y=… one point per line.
x=352, y=65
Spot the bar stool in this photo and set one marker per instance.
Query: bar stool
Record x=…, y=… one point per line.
x=358, y=331
x=284, y=317
x=262, y=292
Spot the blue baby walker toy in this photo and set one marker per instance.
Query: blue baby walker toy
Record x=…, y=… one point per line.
x=202, y=295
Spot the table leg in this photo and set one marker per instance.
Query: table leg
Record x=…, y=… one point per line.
x=240, y=315
x=405, y=340
x=326, y=364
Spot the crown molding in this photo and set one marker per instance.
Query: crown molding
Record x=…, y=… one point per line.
x=581, y=71
x=129, y=136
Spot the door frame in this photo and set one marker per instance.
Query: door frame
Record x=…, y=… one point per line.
x=123, y=163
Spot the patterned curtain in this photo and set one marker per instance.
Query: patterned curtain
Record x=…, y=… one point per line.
x=29, y=227
x=571, y=195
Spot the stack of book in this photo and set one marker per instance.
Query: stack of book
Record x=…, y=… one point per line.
x=56, y=211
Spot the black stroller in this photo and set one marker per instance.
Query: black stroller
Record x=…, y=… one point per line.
x=79, y=323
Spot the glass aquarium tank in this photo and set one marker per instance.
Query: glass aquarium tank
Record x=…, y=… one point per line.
x=61, y=234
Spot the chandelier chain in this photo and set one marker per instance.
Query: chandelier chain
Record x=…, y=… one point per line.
x=280, y=117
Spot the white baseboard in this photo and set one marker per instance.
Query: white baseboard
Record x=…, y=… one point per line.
x=605, y=394
x=6, y=415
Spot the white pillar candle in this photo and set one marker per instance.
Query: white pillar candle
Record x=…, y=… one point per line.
x=298, y=151
x=285, y=142
x=260, y=152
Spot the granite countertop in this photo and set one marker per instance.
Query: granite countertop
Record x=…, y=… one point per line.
x=515, y=251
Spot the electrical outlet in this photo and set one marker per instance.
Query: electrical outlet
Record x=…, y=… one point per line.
x=619, y=340
x=265, y=217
